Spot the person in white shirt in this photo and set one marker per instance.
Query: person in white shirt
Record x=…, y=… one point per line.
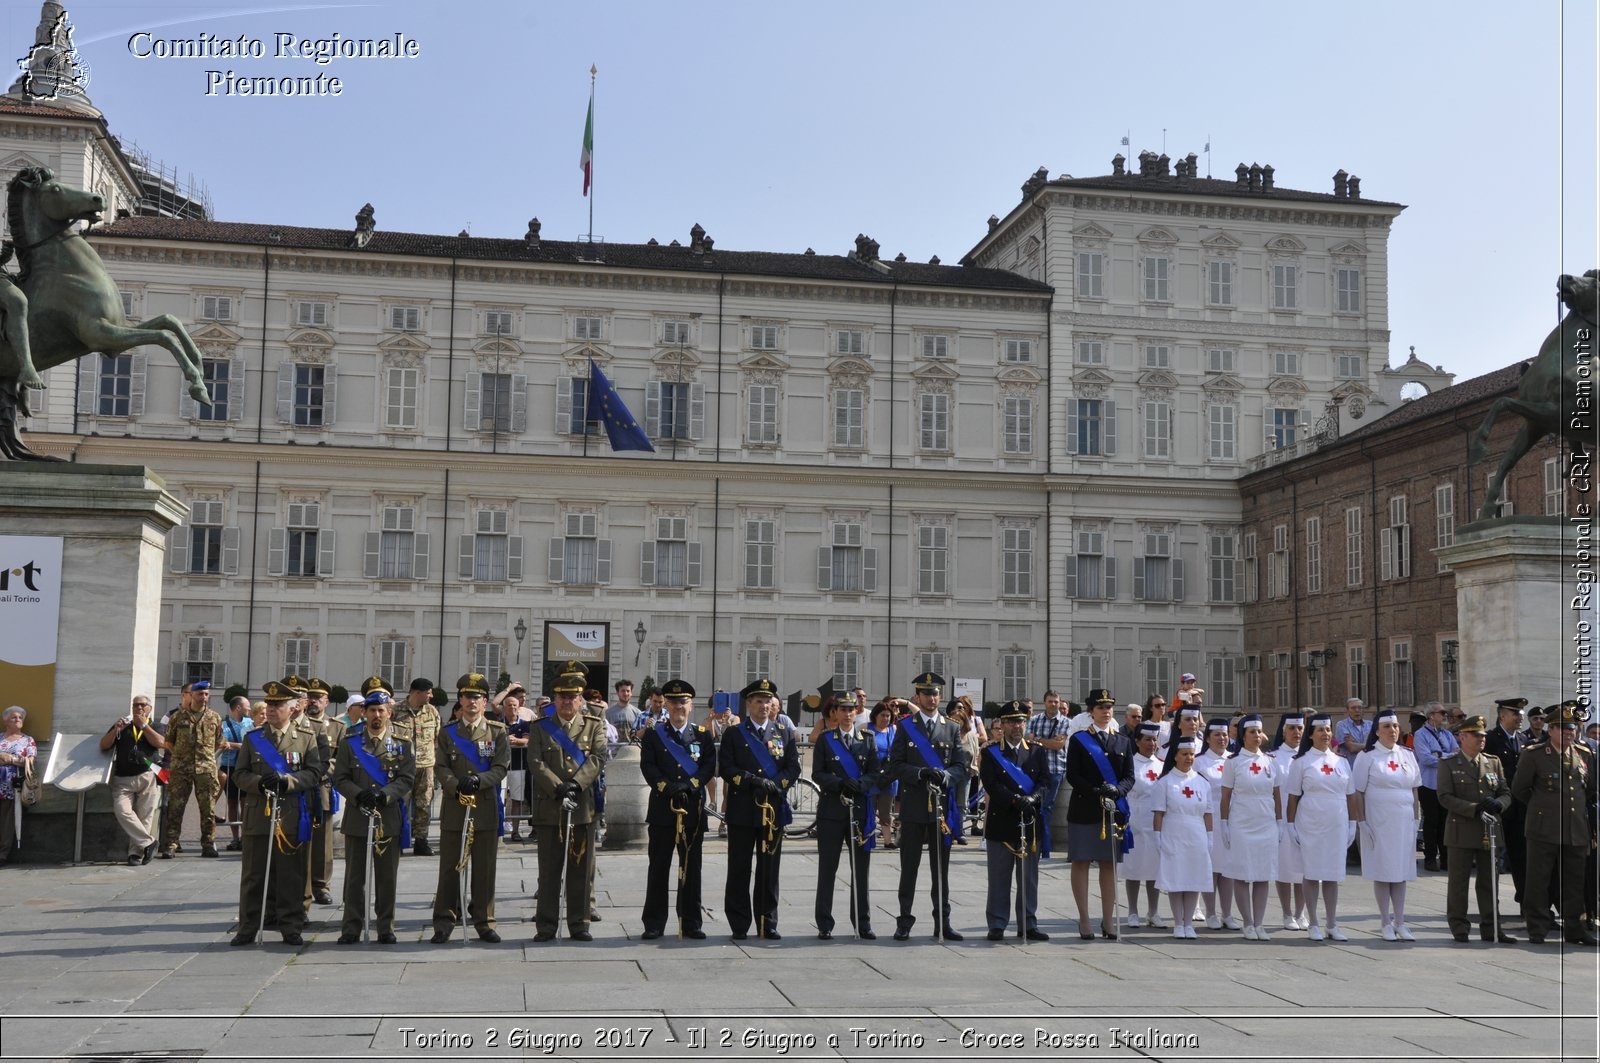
x=1385, y=778
x=1210, y=765
x=1143, y=861
x=1318, y=815
x=1182, y=821
x=1250, y=825
x=1290, y=880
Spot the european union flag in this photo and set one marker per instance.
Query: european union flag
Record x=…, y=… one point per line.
x=607, y=407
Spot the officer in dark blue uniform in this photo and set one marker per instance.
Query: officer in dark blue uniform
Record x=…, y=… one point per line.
x=760, y=759
x=925, y=790
x=677, y=759
x=1505, y=743
x=845, y=766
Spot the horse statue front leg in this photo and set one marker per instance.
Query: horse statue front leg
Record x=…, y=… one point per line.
x=164, y=330
x=13, y=407
x=1519, y=446
x=16, y=355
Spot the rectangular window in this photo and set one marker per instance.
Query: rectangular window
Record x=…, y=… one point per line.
x=1450, y=671
x=116, y=385
x=675, y=403
x=1314, y=557
x=580, y=550
x=577, y=418
x=936, y=346
x=1285, y=427
x=1503, y=507
x=1091, y=674
x=1016, y=562
x=849, y=341
x=849, y=418
x=491, y=547
x=217, y=373
x=1401, y=678
x=1018, y=426
x=764, y=337
x=1222, y=431
x=1555, y=489
x=494, y=402
x=1284, y=287
x=1091, y=275
x=848, y=558
x=1019, y=351
x=669, y=663
x=1155, y=280
x=1087, y=578
x=1157, y=676
x=205, y=538
x=297, y=657
x=1252, y=688
x=488, y=659
x=931, y=661
x=588, y=328
x=1395, y=546
x=1091, y=352
x=935, y=421
x=1285, y=363
x=1157, y=575
x=216, y=308
x=1284, y=677
x=1350, y=367
x=1278, y=563
x=1444, y=508
x=400, y=397
x=308, y=395
x=1157, y=356
x=1220, y=359
x=757, y=664
x=760, y=554
x=846, y=669
x=1352, y=547
x=1347, y=291
x=762, y=408
x=1222, y=682
x=1157, y=430
x=394, y=662
x=405, y=318
x=199, y=658
x=497, y=323
x=397, y=546
x=1014, y=679
x=1252, y=571
x=933, y=559
x=1224, y=567
x=1219, y=278
x=301, y=533
x=672, y=552
x=1091, y=438
x=675, y=333
x=127, y=304
x=311, y=314
x=1314, y=681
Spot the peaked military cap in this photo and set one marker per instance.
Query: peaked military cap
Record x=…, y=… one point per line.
x=847, y=700
x=296, y=684
x=1012, y=710
x=375, y=682
x=1566, y=714
x=1536, y=713
x=1514, y=704
x=760, y=686
x=274, y=692
x=473, y=683
x=570, y=681
x=1473, y=725
x=379, y=696
x=676, y=688
x=1100, y=696
x=928, y=682
x=317, y=686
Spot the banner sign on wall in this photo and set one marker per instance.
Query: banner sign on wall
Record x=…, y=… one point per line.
x=30, y=611
x=589, y=644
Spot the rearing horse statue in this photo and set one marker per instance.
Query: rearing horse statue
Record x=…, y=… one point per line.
x=74, y=307
x=1548, y=396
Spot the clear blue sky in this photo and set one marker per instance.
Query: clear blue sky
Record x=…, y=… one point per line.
x=782, y=127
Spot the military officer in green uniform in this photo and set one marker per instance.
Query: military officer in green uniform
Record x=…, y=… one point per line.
x=417, y=721
x=279, y=762
x=194, y=735
x=1556, y=780
x=1472, y=785
x=374, y=771
x=329, y=733
x=565, y=754
x=472, y=756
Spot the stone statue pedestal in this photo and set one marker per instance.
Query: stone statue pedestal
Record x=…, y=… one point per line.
x=1511, y=609
x=627, y=798
x=113, y=520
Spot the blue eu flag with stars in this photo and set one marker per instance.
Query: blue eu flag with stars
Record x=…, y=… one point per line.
x=607, y=407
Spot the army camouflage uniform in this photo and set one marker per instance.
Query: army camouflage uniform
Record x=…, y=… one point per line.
x=421, y=728
x=331, y=733
x=194, y=734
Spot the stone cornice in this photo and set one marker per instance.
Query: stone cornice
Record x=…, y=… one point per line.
x=1108, y=323
x=1284, y=212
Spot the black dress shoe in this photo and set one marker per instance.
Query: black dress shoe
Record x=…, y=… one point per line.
x=997, y=934
x=739, y=935
x=243, y=937
x=951, y=935
x=210, y=850
x=1461, y=936
x=233, y=846
x=545, y=935
x=1109, y=935
x=388, y=938
x=594, y=915
x=579, y=935
x=824, y=935
x=695, y=935
x=422, y=849
x=1037, y=935
x=349, y=938
x=441, y=936
x=320, y=896
x=649, y=935
x=1504, y=938
x=1430, y=864
x=148, y=854
x=902, y=933
x=292, y=937
x=771, y=935
x=867, y=935
x=488, y=934
x=1536, y=939
x=1584, y=938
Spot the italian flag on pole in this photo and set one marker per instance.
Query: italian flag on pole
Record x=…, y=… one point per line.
x=586, y=160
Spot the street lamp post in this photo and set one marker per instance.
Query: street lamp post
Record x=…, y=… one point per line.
x=638, y=637
x=521, y=631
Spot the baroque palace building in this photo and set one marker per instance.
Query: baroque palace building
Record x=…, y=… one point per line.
x=1023, y=468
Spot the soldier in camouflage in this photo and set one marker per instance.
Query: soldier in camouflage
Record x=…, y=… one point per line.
x=329, y=733
x=417, y=721
x=194, y=733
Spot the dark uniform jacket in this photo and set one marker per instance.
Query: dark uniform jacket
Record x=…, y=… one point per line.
x=1085, y=778
x=352, y=780
x=1004, y=822
x=1506, y=748
x=1462, y=783
x=332, y=732
x=1559, y=790
x=906, y=764
x=549, y=767
x=739, y=766
x=661, y=769
x=828, y=773
x=452, y=766
x=298, y=745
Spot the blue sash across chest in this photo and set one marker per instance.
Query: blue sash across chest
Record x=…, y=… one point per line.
x=480, y=762
x=1025, y=783
x=274, y=759
x=1097, y=754
x=375, y=771
x=559, y=736
x=675, y=749
x=930, y=756
x=768, y=767
x=852, y=771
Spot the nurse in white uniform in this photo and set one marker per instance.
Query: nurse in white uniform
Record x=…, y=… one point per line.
x=1210, y=765
x=1385, y=778
x=1318, y=814
x=1181, y=818
x=1291, y=893
x=1142, y=861
x=1250, y=825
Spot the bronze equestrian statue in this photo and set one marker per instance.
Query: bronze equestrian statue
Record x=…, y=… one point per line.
x=73, y=306
x=1549, y=395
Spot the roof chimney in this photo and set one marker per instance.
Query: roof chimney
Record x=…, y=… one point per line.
x=364, y=227
x=1163, y=165
x=1341, y=186
x=934, y=261
x=697, y=239
x=1255, y=177
x=901, y=257
x=1355, y=187
x=1117, y=164
x=1241, y=175
x=866, y=248
x=994, y=223
x=1266, y=177
x=531, y=237
x=1040, y=178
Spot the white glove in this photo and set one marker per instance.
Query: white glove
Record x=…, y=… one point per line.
x=1227, y=840
x=1293, y=831
x=1349, y=834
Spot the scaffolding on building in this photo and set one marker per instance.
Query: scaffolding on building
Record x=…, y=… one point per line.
x=162, y=194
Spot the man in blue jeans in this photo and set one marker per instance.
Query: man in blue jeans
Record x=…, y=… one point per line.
x=1049, y=730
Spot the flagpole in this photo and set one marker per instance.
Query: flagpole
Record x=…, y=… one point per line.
x=593, y=71
x=588, y=392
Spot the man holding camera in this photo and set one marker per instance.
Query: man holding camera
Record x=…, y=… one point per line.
x=134, y=746
x=565, y=754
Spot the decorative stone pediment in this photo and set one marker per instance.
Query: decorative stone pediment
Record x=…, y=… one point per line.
x=213, y=339
x=403, y=343
x=1285, y=245
x=851, y=367
x=1018, y=374
x=310, y=337
x=1157, y=235
x=1287, y=387
x=1220, y=243
x=497, y=347
x=1222, y=382
x=929, y=372
x=1092, y=378
x=1352, y=389
x=1158, y=378
x=764, y=362
x=1090, y=233
x=1348, y=251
